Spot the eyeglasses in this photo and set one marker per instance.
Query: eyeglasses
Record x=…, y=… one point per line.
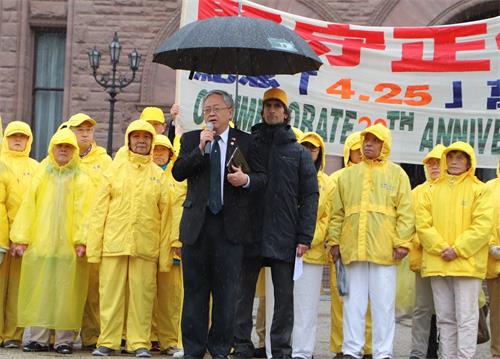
x=216, y=110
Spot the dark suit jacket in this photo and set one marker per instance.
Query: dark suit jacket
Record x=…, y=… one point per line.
x=192, y=165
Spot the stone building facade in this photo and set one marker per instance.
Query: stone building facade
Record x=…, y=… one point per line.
x=79, y=25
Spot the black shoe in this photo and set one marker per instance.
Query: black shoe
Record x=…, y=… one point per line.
x=155, y=346
x=260, y=352
x=219, y=356
x=64, y=349
x=35, y=347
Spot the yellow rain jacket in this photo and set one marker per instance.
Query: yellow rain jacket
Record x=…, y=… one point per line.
x=23, y=167
x=376, y=217
x=494, y=187
x=9, y=202
x=53, y=284
x=96, y=161
x=318, y=254
x=177, y=194
x=455, y=212
x=129, y=217
x=352, y=142
x=417, y=193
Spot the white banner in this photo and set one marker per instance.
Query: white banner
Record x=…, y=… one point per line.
x=429, y=85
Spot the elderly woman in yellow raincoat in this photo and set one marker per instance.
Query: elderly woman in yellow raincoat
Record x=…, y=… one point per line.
x=94, y=161
x=371, y=230
x=493, y=273
x=48, y=233
x=127, y=235
x=454, y=222
x=307, y=287
x=16, y=147
x=352, y=156
x=168, y=306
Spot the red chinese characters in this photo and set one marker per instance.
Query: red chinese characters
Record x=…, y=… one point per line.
x=351, y=41
x=211, y=8
x=447, y=42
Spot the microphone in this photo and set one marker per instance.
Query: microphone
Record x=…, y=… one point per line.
x=208, y=145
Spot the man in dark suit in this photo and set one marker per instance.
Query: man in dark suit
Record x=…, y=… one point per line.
x=215, y=224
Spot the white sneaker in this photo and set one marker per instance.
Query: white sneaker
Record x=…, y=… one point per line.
x=170, y=350
x=142, y=353
x=179, y=354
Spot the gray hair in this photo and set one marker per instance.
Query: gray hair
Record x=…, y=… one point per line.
x=228, y=99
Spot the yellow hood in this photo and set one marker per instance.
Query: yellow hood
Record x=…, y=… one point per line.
x=140, y=125
x=352, y=142
x=162, y=140
x=64, y=136
x=17, y=127
x=383, y=134
x=459, y=146
x=317, y=141
x=298, y=133
x=436, y=152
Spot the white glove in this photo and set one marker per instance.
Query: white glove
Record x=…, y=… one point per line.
x=495, y=252
x=2, y=255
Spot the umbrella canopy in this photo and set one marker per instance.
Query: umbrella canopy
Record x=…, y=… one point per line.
x=237, y=45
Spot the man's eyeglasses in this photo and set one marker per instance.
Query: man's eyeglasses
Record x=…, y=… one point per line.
x=216, y=110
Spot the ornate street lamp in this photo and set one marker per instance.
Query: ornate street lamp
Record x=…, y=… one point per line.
x=115, y=83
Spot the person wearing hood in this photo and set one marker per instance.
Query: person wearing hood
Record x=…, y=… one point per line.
x=94, y=160
x=284, y=222
x=152, y=115
x=127, y=235
x=493, y=273
x=16, y=147
x=307, y=288
x=49, y=234
x=352, y=156
x=168, y=304
x=454, y=222
x=370, y=231
x=424, y=305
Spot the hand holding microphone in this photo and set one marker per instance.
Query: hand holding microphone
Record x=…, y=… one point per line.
x=206, y=137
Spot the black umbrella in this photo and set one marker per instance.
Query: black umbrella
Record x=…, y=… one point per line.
x=237, y=45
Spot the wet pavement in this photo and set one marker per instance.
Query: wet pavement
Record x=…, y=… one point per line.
x=402, y=341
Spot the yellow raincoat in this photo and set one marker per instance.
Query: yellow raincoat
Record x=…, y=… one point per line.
x=456, y=211
x=318, y=254
x=23, y=168
x=352, y=142
x=415, y=254
x=9, y=202
x=124, y=221
x=128, y=231
x=54, y=280
x=370, y=222
x=494, y=186
x=94, y=163
x=168, y=307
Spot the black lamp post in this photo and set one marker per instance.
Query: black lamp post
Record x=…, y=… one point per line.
x=113, y=84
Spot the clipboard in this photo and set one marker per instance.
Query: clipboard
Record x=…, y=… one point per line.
x=238, y=160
